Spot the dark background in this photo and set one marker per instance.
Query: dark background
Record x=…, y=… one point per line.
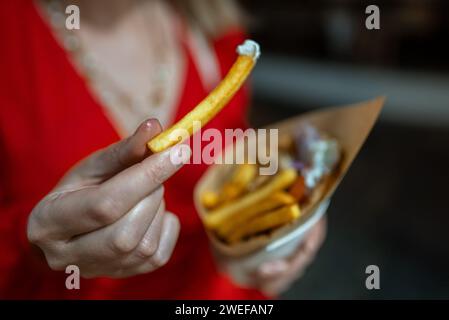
x=391, y=210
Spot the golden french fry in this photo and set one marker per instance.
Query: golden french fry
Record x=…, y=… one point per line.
x=240, y=180
x=248, y=53
x=274, y=201
x=232, y=189
x=281, y=181
x=244, y=174
x=266, y=222
x=258, y=182
x=210, y=199
x=229, y=191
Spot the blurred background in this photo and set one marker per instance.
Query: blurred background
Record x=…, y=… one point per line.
x=391, y=209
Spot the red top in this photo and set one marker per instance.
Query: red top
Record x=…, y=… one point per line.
x=48, y=121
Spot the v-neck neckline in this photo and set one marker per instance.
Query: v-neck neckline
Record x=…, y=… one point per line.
x=112, y=119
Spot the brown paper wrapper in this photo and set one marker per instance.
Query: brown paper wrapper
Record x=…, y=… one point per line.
x=349, y=125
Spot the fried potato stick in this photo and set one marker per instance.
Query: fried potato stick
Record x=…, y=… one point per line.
x=238, y=184
x=281, y=181
x=207, y=109
x=244, y=174
x=240, y=180
x=210, y=199
x=274, y=201
x=266, y=222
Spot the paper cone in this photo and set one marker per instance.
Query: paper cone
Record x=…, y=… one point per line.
x=350, y=125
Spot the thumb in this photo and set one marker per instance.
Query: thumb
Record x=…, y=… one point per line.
x=107, y=162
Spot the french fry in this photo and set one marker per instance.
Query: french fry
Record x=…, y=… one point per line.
x=266, y=222
x=244, y=174
x=258, y=182
x=274, y=201
x=281, y=181
x=241, y=178
x=238, y=183
x=210, y=199
x=229, y=191
x=248, y=53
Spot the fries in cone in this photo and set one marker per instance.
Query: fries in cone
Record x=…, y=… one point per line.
x=283, y=180
x=315, y=151
x=278, y=201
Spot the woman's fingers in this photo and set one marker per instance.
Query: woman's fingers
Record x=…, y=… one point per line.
x=65, y=214
x=109, y=161
x=272, y=269
x=91, y=208
x=273, y=277
x=276, y=286
x=107, y=216
x=316, y=236
x=167, y=243
x=143, y=260
x=128, y=232
x=167, y=227
x=133, y=184
x=122, y=237
x=150, y=241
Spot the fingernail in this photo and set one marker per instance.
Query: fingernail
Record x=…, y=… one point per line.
x=148, y=123
x=180, y=154
x=151, y=125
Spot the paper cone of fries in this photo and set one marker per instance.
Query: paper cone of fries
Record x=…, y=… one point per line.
x=348, y=125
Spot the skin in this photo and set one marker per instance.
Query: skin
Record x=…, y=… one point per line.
x=275, y=277
x=107, y=215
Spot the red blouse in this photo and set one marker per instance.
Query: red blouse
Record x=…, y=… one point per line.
x=48, y=121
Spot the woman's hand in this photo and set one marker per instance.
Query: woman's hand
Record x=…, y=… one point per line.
x=274, y=277
x=107, y=215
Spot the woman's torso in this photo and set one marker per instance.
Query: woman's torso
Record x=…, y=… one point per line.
x=49, y=120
